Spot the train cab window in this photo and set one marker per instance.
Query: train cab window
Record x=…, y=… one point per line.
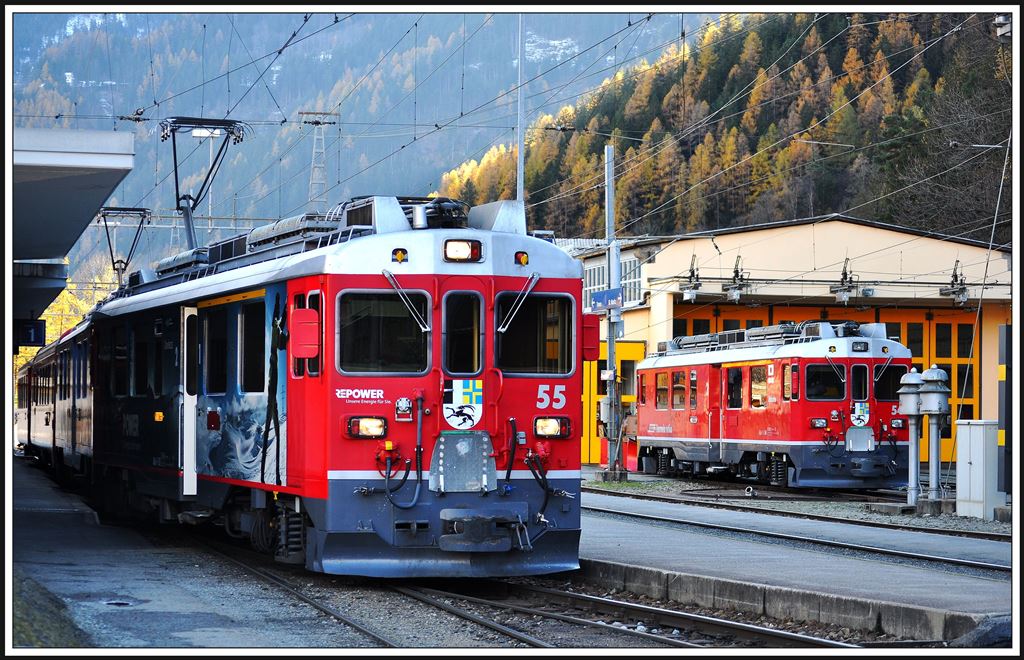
x=734, y=377
x=252, y=358
x=661, y=391
x=679, y=390
x=693, y=389
x=758, y=387
x=887, y=381
x=313, y=363
x=377, y=333
x=538, y=339
x=825, y=382
x=859, y=382
x=215, y=353
x=787, y=382
x=641, y=396
x=463, y=333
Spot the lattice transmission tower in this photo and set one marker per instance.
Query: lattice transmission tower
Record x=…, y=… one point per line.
x=317, y=201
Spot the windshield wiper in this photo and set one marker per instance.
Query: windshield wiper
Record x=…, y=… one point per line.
x=839, y=374
x=884, y=367
x=525, y=291
x=404, y=297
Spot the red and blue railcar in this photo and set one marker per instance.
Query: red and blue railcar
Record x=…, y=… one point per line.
x=389, y=389
x=813, y=404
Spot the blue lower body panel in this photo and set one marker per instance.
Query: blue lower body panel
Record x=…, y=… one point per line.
x=356, y=532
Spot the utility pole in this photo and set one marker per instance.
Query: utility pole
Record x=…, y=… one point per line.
x=318, y=165
x=615, y=470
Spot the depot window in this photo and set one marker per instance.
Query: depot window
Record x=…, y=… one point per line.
x=463, y=333
x=538, y=339
x=826, y=382
x=377, y=333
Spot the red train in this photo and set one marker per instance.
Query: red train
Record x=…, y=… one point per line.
x=812, y=404
x=391, y=389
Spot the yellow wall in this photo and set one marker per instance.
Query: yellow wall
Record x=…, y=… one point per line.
x=590, y=447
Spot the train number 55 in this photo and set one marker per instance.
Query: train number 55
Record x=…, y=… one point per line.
x=556, y=400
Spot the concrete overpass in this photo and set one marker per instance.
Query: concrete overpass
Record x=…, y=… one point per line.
x=61, y=179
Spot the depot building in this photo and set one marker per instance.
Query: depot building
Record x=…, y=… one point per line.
x=944, y=297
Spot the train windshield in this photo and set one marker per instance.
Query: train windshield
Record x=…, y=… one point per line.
x=377, y=334
x=887, y=381
x=539, y=336
x=826, y=382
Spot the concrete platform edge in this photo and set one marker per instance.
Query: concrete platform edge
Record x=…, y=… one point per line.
x=902, y=620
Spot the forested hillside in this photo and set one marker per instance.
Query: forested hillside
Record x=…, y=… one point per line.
x=779, y=116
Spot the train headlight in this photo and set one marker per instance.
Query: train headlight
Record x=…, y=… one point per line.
x=898, y=423
x=367, y=427
x=860, y=346
x=551, y=427
x=818, y=422
x=462, y=250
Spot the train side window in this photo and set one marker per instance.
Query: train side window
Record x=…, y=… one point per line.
x=641, y=395
x=825, y=383
x=215, y=352
x=661, y=391
x=252, y=347
x=313, y=363
x=758, y=386
x=119, y=379
x=734, y=376
x=859, y=382
x=679, y=390
x=191, y=350
x=299, y=364
x=463, y=333
x=693, y=389
x=140, y=361
x=787, y=382
x=158, y=367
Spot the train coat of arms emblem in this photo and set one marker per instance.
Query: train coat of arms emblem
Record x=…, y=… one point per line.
x=861, y=415
x=463, y=402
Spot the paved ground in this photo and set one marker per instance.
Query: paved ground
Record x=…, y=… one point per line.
x=125, y=592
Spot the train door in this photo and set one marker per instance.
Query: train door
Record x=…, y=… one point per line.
x=465, y=380
x=714, y=412
x=189, y=378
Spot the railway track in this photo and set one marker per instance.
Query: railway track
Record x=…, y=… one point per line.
x=890, y=552
x=713, y=632
x=536, y=603
x=284, y=586
x=717, y=504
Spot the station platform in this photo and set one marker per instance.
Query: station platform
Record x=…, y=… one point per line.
x=783, y=580
x=126, y=591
